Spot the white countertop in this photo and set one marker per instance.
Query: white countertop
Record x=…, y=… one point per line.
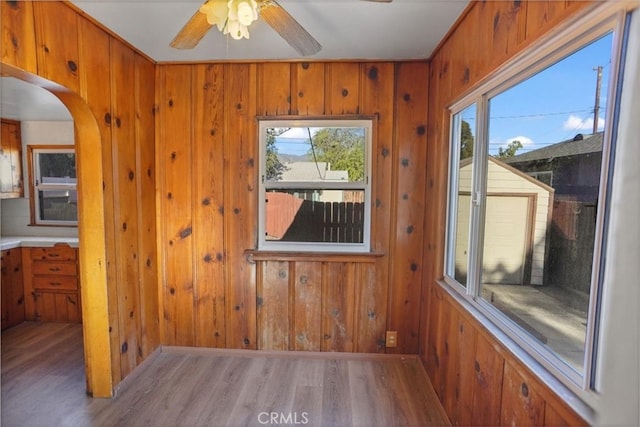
x=10, y=242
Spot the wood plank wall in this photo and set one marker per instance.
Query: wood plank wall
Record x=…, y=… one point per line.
x=58, y=43
x=212, y=293
x=478, y=381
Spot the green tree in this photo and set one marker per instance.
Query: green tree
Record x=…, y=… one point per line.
x=342, y=148
x=273, y=164
x=466, y=141
x=510, y=151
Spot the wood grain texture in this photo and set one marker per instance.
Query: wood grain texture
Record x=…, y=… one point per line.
x=43, y=384
x=149, y=323
x=240, y=204
x=175, y=157
x=126, y=203
x=12, y=295
x=208, y=201
x=408, y=202
x=57, y=52
x=307, y=313
x=18, y=37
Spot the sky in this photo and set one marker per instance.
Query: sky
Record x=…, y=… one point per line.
x=295, y=141
x=553, y=105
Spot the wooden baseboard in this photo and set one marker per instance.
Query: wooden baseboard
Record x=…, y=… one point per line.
x=286, y=354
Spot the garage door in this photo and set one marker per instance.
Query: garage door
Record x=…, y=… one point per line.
x=507, y=228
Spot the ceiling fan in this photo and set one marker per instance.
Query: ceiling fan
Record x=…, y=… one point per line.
x=234, y=16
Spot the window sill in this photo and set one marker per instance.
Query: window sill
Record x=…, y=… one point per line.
x=54, y=225
x=361, y=257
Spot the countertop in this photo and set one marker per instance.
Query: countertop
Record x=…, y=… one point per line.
x=10, y=242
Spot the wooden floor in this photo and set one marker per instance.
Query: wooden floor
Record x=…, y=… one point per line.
x=43, y=384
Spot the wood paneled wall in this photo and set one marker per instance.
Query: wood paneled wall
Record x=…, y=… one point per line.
x=212, y=293
x=478, y=381
x=56, y=42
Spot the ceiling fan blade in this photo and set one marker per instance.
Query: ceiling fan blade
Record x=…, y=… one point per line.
x=192, y=32
x=288, y=28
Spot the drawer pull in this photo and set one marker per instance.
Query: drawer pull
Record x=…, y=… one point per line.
x=55, y=283
x=54, y=269
x=53, y=255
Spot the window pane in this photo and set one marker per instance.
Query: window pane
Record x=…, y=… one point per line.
x=465, y=128
x=57, y=168
x=543, y=178
x=58, y=205
x=320, y=154
x=311, y=215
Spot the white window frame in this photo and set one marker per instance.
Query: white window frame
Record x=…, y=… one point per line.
x=365, y=185
x=41, y=186
x=559, y=375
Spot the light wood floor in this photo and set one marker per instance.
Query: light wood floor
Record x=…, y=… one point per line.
x=43, y=384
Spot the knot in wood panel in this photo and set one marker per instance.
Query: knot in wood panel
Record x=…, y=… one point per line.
x=185, y=232
x=525, y=389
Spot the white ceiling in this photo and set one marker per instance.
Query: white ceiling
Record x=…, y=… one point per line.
x=347, y=30
x=26, y=102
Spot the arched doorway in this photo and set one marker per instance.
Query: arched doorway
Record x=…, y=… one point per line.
x=91, y=233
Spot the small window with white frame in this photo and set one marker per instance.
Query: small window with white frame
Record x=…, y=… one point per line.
x=314, y=185
x=54, y=195
x=530, y=162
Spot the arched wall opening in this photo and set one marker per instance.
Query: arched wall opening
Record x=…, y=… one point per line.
x=91, y=233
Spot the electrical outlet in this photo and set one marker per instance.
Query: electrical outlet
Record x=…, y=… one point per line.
x=391, y=339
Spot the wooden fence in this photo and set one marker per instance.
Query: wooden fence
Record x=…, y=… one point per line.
x=289, y=218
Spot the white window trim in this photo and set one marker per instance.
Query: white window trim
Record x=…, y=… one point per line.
x=365, y=185
x=551, y=369
x=39, y=186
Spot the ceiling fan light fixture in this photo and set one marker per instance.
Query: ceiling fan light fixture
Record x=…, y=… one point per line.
x=231, y=16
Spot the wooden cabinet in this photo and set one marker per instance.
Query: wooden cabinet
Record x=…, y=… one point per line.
x=52, y=285
x=12, y=288
x=10, y=160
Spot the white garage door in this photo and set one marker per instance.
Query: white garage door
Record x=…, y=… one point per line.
x=507, y=223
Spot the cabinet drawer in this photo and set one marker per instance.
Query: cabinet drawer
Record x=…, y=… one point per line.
x=50, y=283
x=56, y=253
x=54, y=268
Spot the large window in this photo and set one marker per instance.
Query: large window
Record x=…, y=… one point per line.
x=530, y=163
x=54, y=197
x=315, y=191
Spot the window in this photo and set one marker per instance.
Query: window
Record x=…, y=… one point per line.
x=54, y=197
x=315, y=189
x=529, y=168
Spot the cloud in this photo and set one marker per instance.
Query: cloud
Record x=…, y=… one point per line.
x=575, y=123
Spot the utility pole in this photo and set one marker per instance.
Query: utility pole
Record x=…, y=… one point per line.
x=596, y=108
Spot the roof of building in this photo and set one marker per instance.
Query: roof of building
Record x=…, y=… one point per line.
x=580, y=144
x=312, y=171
